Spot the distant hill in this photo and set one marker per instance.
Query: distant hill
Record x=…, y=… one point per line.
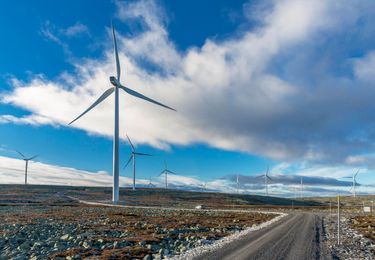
x=142, y=197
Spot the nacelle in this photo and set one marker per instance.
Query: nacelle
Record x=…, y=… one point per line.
x=114, y=81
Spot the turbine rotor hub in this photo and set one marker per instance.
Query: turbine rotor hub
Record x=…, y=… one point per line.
x=114, y=81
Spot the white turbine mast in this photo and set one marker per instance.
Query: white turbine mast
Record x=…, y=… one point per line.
x=115, y=81
x=238, y=184
x=266, y=178
x=165, y=172
x=26, y=163
x=354, y=183
x=132, y=158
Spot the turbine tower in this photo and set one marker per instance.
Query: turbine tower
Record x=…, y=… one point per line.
x=132, y=158
x=115, y=81
x=354, y=183
x=26, y=163
x=165, y=172
x=238, y=184
x=266, y=178
x=301, y=194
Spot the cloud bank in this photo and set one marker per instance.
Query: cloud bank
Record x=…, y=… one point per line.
x=12, y=172
x=298, y=85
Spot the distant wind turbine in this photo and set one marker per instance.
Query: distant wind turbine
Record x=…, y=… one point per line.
x=238, y=184
x=115, y=81
x=266, y=178
x=354, y=183
x=165, y=172
x=301, y=188
x=150, y=183
x=26, y=163
x=132, y=158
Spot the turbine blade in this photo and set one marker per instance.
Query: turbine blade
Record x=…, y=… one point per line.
x=100, y=99
x=23, y=156
x=131, y=157
x=33, y=157
x=145, y=154
x=162, y=173
x=355, y=175
x=130, y=142
x=139, y=95
x=118, y=69
x=171, y=172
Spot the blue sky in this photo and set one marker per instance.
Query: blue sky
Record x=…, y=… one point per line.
x=255, y=83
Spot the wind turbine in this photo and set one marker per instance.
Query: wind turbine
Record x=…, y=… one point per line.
x=165, y=172
x=238, y=184
x=266, y=178
x=26, y=163
x=150, y=183
x=115, y=81
x=354, y=182
x=204, y=187
x=132, y=157
x=301, y=195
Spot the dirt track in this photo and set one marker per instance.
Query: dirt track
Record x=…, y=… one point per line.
x=297, y=236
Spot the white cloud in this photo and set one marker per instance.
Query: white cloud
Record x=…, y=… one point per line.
x=12, y=172
x=76, y=29
x=30, y=120
x=230, y=94
x=364, y=68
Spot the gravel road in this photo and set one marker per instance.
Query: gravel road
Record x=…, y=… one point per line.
x=297, y=236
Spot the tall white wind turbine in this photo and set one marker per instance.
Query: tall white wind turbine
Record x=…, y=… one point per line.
x=266, y=178
x=150, y=183
x=165, y=172
x=238, y=184
x=132, y=158
x=354, y=183
x=115, y=81
x=26, y=163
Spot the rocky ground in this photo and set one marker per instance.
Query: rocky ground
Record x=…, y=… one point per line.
x=355, y=243
x=365, y=225
x=75, y=231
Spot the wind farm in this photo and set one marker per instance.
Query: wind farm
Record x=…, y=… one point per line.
x=130, y=130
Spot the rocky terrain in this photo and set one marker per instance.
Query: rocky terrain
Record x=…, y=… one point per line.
x=365, y=225
x=48, y=222
x=355, y=242
x=65, y=229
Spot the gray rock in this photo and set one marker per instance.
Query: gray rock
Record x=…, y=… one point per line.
x=65, y=237
x=86, y=244
x=156, y=256
x=147, y=257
